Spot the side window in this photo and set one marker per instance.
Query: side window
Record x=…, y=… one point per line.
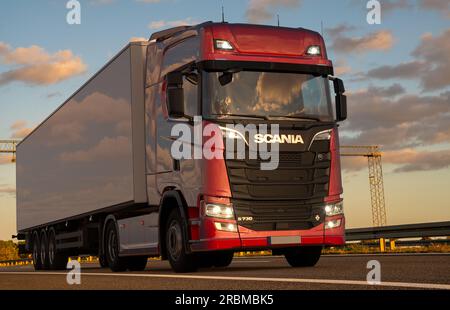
x=179, y=55
x=190, y=90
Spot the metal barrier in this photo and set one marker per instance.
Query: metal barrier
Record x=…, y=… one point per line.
x=392, y=233
x=438, y=229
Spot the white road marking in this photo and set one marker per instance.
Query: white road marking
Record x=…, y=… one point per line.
x=250, y=261
x=283, y=280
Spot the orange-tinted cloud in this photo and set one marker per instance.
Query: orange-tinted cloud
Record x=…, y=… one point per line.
x=431, y=64
x=20, y=130
x=376, y=41
x=35, y=66
x=442, y=6
x=5, y=159
x=263, y=10
x=7, y=190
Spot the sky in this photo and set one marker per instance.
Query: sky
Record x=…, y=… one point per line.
x=397, y=76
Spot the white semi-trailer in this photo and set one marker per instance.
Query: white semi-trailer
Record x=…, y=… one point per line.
x=86, y=160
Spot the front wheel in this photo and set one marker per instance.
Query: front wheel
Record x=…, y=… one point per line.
x=223, y=259
x=306, y=256
x=115, y=262
x=179, y=259
x=102, y=261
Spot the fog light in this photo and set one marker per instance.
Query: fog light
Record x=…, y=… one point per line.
x=226, y=226
x=333, y=224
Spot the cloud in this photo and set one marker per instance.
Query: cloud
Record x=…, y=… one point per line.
x=404, y=121
x=407, y=70
x=5, y=159
x=20, y=130
x=342, y=68
x=442, y=6
x=431, y=64
x=33, y=65
x=107, y=148
x=54, y=94
x=380, y=40
x=7, y=190
x=339, y=30
x=148, y=1
x=392, y=5
x=262, y=10
x=413, y=160
x=405, y=160
x=138, y=39
x=101, y=2
x=391, y=91
x=172, y=23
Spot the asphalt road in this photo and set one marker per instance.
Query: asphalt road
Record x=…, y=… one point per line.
x=268, y=273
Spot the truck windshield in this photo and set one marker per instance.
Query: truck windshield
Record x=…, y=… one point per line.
x=267, y=95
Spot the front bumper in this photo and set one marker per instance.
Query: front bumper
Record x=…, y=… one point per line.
x=210, y=239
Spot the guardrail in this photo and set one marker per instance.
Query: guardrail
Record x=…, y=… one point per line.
x=438, y=229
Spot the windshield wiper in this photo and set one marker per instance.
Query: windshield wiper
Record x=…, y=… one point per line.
x=244, y=115
x=307, y=118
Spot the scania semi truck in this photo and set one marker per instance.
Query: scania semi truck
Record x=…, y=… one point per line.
x=99, y=176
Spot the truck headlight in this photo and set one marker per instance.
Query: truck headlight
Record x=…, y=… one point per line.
x=219, y=210
x=334, y=209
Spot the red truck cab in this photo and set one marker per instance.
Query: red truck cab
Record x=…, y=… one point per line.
x=261, y=75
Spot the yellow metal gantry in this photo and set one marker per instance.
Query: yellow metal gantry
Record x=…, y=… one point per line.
x=9, y=147
x=373, y=154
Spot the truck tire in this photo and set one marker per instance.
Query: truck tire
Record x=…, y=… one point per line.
x=56, y=260
x=44, y=250
x=36, y=252
x=137, y=263
x=115, y=262
x=306, y=256
x=223, y=259
x=179, y=260
x=102, y=261
x=204, y=260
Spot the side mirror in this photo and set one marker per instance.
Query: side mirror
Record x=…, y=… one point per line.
x=175, y=95
x=341, y=100
x=226, y=78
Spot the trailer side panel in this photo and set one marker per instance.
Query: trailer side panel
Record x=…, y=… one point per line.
x=80, y=159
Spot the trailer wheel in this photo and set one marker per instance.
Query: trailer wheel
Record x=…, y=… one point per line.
x=137, y=263
x=179, y=260
x=44, y=250
x=223, y=259
x=115, y=262
x=36, y=251
x=306, y=256
x=56, y=260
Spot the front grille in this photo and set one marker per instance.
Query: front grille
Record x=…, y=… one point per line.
x=288, y=198
x=299, y=176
